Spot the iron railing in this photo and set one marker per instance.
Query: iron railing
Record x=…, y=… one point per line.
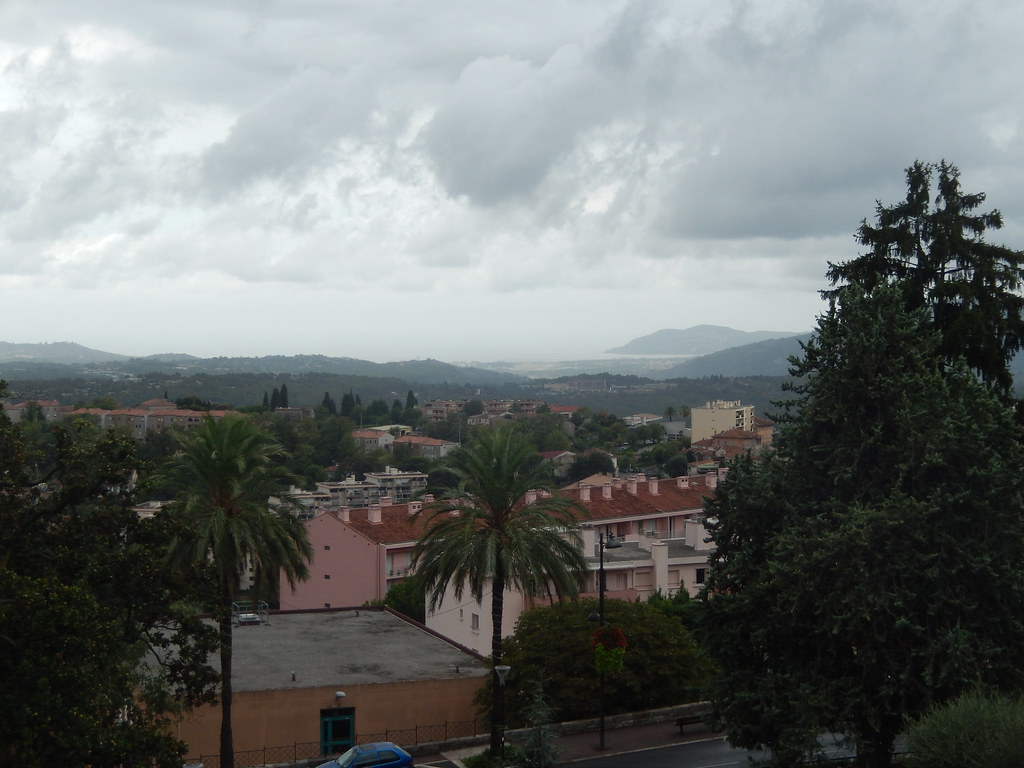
x=309, y=750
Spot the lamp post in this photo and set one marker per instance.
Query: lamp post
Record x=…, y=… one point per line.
x=610, y=543
x=501, y=670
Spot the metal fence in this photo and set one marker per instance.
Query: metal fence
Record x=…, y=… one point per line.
x=310, y=750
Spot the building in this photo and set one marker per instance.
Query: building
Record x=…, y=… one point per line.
x=393, y=484
x=427, y=447
x=370, y=440
x=357, y=555
x=665, y=548
x=718, y=416
x=317, y=681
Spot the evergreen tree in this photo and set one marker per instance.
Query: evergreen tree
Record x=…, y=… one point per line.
x=275, y=399
x=411, y=401
x=284, y=395
x=932, y=246
x=348, y=404
x=328, y=404
x=870, y=567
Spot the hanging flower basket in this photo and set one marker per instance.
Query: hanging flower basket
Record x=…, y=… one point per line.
x=609, y=644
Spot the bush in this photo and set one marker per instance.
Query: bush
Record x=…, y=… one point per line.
x=973, y=731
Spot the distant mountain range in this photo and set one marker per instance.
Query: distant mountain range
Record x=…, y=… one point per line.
x=697, y=340
x=67, y=359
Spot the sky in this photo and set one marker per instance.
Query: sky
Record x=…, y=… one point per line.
x=468, y=180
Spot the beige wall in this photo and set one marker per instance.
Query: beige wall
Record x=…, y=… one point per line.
x=284, y=717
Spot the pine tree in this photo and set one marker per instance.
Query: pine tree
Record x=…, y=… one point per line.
x=932, y=246
x=870, y=567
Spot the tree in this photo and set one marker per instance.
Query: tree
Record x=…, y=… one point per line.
x=408, y=597
x=329, y=405
x=932, y=246
x=662, y=666
x=483, y=534
x=226, y=471
x=411, y=401
x=870, y=567
x=85, y=603
x=590, y=463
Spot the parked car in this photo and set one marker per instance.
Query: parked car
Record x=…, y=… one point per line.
x=381, y=754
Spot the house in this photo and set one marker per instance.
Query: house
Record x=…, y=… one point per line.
x=427, y=447
x=370, y=440
x=665, y=548
x=50, y=409
x=559, y=461
x=718, y=416
x=314, y=682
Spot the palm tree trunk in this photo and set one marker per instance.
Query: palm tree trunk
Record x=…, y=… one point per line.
x=227, y=745
x=497, y=690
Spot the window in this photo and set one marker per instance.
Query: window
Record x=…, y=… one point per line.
x=327, y=547
x=461, y=617
x=700, y=576
x=474, y=622
x=327, y=576
x=327, y=605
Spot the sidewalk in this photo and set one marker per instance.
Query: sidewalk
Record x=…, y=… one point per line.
x=581, y=746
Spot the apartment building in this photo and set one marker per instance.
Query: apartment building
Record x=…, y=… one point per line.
x=719, y=416
x=664, y=548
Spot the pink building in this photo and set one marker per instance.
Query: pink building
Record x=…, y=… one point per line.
x=358, y=554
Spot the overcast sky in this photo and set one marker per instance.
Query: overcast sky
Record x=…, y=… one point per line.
x=471, y=180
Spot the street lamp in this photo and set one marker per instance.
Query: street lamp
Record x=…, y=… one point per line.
x=610, y=543
x=501, y=670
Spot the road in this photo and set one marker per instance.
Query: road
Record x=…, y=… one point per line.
x=713, y=753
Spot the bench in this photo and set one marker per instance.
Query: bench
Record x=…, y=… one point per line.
x=688, y=720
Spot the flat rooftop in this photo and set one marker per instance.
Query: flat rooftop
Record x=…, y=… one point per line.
x=344, y=647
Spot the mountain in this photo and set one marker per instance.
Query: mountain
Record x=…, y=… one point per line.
x=698, y=340
x=68, y=360
x=61, y=352
x=765, y=358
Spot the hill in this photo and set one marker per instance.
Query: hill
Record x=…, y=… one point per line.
x=68, y=360
x=697, y=340
x=765, y=358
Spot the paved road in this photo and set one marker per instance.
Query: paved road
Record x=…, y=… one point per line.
x=713, y=753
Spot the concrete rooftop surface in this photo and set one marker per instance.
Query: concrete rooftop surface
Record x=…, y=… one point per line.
x=343, y=647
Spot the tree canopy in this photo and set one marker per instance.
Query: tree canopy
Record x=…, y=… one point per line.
x=98, y=650
x=870, y=567
x=552, y=647
x=932, y=245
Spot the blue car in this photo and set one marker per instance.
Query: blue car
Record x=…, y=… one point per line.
x=382, y=754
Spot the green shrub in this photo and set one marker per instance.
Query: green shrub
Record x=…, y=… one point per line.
x=973, y=731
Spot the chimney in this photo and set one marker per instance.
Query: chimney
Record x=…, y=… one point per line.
x=343, y=514
x=415, y=506
x=682, y=481
x=428, y=498
x=373, y=514
x=584, y=492
x=617, y=482
x=631, y=485
x=385, y=501
x=652, y=486
x=606, y=491
x=711, y=480
x=531, y=497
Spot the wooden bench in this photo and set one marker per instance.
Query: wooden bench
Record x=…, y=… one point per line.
x=688, y=720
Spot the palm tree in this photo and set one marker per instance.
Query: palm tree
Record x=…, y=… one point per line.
x=225, y=472
x=485, y=531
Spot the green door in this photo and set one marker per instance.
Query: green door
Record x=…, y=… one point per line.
x=337, y=730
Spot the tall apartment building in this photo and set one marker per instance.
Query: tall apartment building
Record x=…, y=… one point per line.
x=719, y=416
